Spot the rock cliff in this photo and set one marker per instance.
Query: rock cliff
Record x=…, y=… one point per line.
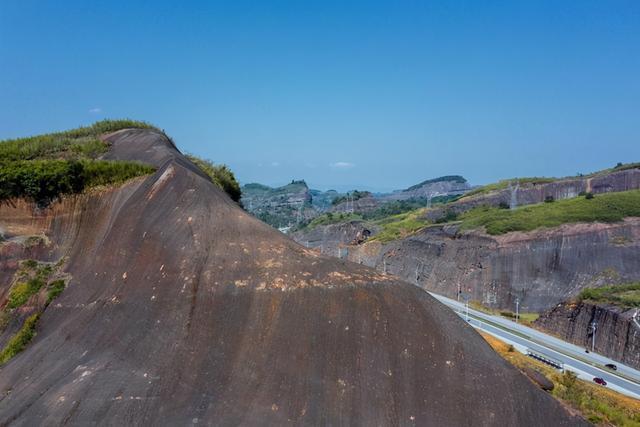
x=617, y=332
x=541, y=268
x=530, y=192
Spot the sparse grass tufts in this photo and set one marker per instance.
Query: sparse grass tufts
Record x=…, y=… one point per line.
x=221, y=175
x=626, y=296
x=596, y=403
x=54, y=290
x=19, y=341
x=402, y=225
x=80, y=143
x=22, y=291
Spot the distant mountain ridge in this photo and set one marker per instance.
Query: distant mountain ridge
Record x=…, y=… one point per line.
x=296, y=203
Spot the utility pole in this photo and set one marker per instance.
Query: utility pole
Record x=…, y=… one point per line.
x=594, y=325
x=517, y=309
x=384, y=265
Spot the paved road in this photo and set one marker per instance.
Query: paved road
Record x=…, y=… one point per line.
x=588, y=365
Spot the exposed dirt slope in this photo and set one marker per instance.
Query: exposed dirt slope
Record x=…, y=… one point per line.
x=183, y=309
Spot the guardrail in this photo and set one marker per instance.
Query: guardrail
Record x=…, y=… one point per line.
x=545, y=359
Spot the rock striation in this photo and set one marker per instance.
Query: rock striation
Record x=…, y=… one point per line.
x=542, y=268
x=530, y=193
x=617, y=331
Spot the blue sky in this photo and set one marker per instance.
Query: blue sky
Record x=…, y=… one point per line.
x=343, y=94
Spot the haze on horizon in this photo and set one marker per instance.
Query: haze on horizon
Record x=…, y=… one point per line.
x=379, y=95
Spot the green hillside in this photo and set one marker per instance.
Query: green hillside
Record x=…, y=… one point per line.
x=610, y=207
x=625, y=296
x=44, y=167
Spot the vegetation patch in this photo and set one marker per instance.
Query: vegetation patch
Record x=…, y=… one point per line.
x=352, y=196
x=20, y=292
x=526, y=318
x=19, y=341
x=45, y=167
x=625, y=296
x=79, y=143
x=33, y=278
x=220, y=175
x=610, y=207
x=43, y=181
x=54, y=290
x=402, y=225
x=596, y=403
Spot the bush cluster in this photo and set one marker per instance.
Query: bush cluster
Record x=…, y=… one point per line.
x=220, y=175
x=20, y=340
x=627, y=295
x=354, y=195
x=43, y=181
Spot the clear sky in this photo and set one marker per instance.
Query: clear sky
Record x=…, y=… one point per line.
x=343, y=94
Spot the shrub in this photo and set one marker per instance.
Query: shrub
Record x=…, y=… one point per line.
x=19, y=341
x=549, y=199
x=504, y=205
x=30, y=264
x=352, y=196
x=448, y=216
x=627, y=295
x=43, y=181
x=22, y=291
x=54, y=290
x=588, y=196
x=220, y=175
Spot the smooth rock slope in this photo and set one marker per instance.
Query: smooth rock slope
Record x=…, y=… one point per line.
x=183, y=309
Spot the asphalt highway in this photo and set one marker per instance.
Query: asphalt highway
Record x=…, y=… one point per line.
x=625, y=380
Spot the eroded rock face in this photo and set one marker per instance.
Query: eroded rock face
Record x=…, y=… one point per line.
x=527, y=194
x=541, y=268
x=334, y=239
x=183, y=309
x=452, y=185
x=617, y=334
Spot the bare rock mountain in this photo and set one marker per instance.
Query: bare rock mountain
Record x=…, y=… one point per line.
x=183, y=309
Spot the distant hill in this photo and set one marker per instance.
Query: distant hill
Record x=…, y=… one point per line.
x=280, y=206
x=442, y=186
x=295, y=204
